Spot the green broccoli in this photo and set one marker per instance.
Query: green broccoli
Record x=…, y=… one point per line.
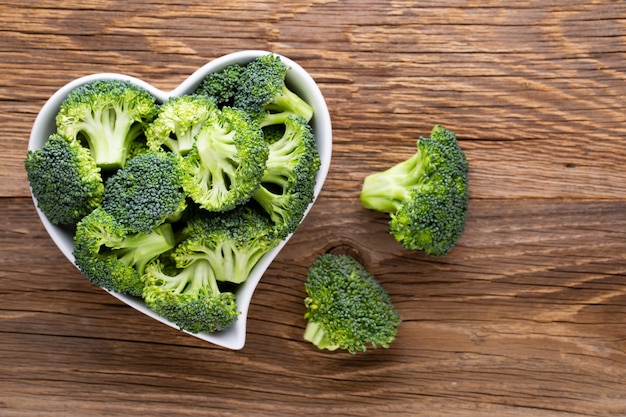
x=191, y=286
x=146, y=192
x=287, y=186
x=231, y=242
x=112, y=257
x=221, y=86
x=64, y=179
x=106, y=116
x=426, y=195
x=227, y=161
x=189, y=297
x=262, y=92
x=178, y=122
x=346, y=307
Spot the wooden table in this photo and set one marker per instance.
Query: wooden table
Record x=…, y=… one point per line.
x=526, y=316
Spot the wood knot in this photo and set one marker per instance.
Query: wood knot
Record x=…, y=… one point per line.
x=347, y=250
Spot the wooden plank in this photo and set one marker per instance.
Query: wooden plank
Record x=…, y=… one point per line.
x=526, y=313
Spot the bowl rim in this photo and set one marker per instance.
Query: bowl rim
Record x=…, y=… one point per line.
x=298, y=79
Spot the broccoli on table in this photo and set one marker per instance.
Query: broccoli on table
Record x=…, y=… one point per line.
x=64, y=179
x=112, y=257
x=426, y=195
x=227, y=161
x=146, y=192
x=262, y=92
x=178, y=122
x=346, y=307
x=107, y=116
x=287, y=186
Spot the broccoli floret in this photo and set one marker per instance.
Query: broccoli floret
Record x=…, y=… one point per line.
x=146, y=192
x=221, y=86
x=232, y=242
x=189, y=297
x=426, y=195
x=64, y=179
x=112, y=257
x=346, y=307
x=106, y=116
x=227, y=161
x=287, y=186
x=262, y=92
x=178, y=122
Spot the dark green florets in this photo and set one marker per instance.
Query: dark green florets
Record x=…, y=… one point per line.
x=146, y=192
x=107, y=116
x=426, y=195
x=346, y=307
x=221, y=86
x=64, y=179
x=263, y=94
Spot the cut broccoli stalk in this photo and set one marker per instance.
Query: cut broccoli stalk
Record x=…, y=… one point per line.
x=189, y=297
x=108, y=116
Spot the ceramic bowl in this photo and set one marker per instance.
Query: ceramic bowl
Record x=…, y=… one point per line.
x=298, y=80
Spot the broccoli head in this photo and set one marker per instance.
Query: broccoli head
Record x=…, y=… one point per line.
x=426, y=195
x=146, y=192
x=178, y=122
x=232, y=242
x=106, y=116
x=287, y=186
x=64, y=179
x=227, y=161
x=346, y=307
x=221, y=86
x=112, y=257
x=262, y=92
x=189, y=297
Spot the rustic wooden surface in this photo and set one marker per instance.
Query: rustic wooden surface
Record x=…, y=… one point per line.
x=525, y=317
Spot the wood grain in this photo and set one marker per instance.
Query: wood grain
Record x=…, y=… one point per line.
x=526, y=316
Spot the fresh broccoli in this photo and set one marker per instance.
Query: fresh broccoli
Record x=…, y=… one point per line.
x=64, y=179
x=191, y=286
x=112, y=257
x=189, y=297
x=346, y=307
x=231, y=242
x=146, y=192
x=221, y=86
x=426, y=195
x=106, y=116
x=287, y=186
x=262, y=92
x=227, y=161
x=178, y=122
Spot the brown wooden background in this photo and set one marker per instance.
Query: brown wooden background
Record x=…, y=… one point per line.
x=525, y=317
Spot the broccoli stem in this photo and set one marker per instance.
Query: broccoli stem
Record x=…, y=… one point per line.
x=288, y=101
x=315, y=334
x=109, y=134
x=386, y=191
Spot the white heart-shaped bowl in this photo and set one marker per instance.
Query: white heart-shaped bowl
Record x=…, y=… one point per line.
x=298, y=80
